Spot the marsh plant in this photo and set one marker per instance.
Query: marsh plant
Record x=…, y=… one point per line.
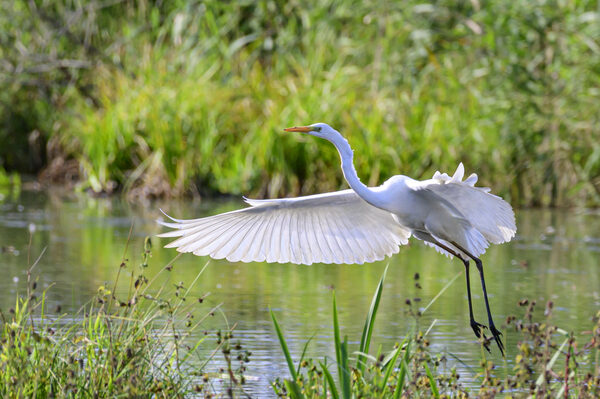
x=548, y=362
x=168, y=97
x=150, y=342
x=147, y=342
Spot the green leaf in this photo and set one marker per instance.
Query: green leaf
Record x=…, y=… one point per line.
x=344, y=371
x=284, y=348
x=389, y=366
x=304, y=353
x=329, y=378
x=402, y=375
x=365, y=340
x=434, y=389
x=293, y=389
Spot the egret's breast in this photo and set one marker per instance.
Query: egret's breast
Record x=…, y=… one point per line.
x=409, y=208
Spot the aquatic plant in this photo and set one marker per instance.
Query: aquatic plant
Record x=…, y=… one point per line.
x=541, y=366
x=135, y=345
x=167, y=98
x=10, y=184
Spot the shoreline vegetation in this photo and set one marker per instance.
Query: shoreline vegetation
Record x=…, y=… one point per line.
x=145, y=343
x=149, y=342
x=185, y=97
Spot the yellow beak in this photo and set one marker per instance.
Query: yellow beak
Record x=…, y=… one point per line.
x=303, y=129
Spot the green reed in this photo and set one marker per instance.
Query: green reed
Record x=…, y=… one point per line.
x=191, y=97
x=541, y=368
x=147, y=343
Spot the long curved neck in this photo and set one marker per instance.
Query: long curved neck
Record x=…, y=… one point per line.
x=347, y=155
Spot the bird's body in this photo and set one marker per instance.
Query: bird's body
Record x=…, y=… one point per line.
x=362, y=224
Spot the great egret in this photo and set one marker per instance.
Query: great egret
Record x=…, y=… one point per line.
x=363, y=224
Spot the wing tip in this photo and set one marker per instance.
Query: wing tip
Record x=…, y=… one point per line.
x=169, y=217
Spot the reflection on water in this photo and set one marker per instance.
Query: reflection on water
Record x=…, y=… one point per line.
x=554, y=257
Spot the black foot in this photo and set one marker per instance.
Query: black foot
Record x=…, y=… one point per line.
x=478, y=330
x=496, y=333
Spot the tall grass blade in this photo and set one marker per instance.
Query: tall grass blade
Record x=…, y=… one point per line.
x=329, y=379
x=325, y=377
x=430, y=327
x=336, y=337
x=345, y=371
x=389, y=367
x=448, y=284
x=434, y=391
x=304, y=352
x=553, y=360
x=365, y=340
x=403, y=370
x=293, y=389
x=284, y=348
x=341, y=354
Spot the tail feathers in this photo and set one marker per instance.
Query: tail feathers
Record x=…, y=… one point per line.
x=457, y=178
x=489, y=214
x=438, y=249
x=473, y=242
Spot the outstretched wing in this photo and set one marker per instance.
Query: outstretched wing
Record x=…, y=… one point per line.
x=489, y=214
x=336, y=227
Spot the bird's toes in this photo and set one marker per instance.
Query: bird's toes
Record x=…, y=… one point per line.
x=500, y=346
x=478, y=328
x=495, y=331
x=497, y=334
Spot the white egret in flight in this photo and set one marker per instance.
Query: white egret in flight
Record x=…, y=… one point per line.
x=363, y=224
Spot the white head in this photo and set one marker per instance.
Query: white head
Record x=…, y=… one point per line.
x=322, y=130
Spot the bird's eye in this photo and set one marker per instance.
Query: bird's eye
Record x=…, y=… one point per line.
x=317, y=128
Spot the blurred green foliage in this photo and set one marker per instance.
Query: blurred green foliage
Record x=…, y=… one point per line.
x=166, y=98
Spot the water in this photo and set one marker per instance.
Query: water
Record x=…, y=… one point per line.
x=555, y=256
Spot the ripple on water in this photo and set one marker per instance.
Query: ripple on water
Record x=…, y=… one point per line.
x=88, y=241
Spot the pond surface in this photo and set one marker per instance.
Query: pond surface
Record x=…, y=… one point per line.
x=555, y=256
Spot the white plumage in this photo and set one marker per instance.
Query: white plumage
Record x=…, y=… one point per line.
x=363, y=224
x=305, y=230
x=341, y=227
x=482, y=218
x=488, y=213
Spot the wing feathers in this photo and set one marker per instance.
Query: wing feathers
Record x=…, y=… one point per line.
x=334, y=227
x=285, y=242
x=487, y=217
x=489, y=214
x=325, y=250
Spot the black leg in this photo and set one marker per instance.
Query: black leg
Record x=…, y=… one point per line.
x=495, y=332
x=477, y=328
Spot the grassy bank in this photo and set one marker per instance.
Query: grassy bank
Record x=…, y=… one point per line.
x=148, y=343
x=179, y=97
x=549, y=362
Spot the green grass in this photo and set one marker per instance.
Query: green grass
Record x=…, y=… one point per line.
x=144, y=344
x=188, y=97
x=147, y=342
x=10, y=185
x=542, y=367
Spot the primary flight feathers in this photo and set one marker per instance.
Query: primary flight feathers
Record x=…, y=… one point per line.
x=304, y=230
x=337, y=227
